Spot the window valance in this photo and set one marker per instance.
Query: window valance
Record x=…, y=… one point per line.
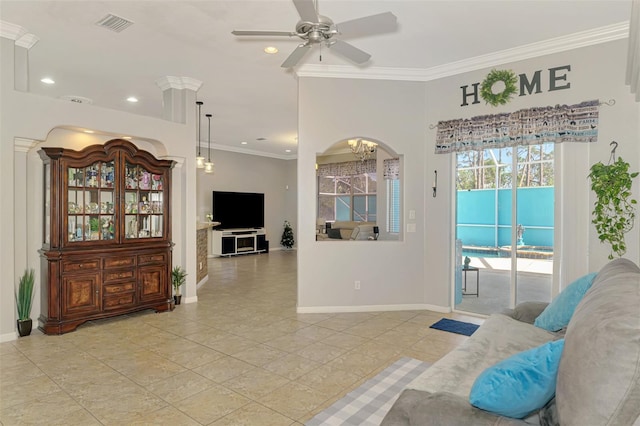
x=553, y=124
x=347, y=168
x=391, y=169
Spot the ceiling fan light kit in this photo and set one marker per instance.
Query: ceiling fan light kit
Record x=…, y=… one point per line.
x=315, y=29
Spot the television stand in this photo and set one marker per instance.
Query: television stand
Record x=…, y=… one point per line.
x=230, y=242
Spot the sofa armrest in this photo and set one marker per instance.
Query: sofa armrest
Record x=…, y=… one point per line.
x=414, y=407
x=526, y=311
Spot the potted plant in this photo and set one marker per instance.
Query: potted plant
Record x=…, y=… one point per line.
x=614, y=209
x=24, y=301
x=287, y=235
x=178, y=278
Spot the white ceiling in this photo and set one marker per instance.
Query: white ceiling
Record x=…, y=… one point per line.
x=246, y=90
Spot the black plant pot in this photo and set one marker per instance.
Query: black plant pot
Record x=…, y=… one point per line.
x=24, y=327
x=177, y=299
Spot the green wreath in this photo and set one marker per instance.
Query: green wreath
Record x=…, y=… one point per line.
x=509, y=79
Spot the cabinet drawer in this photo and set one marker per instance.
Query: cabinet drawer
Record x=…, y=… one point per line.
x=110, y=289
x=119, y=301
x=81, y=265
x=119, y=262
x=145, y=259
x=118, y=275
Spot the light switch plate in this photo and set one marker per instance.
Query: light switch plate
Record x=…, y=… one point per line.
x=411, y=227
x=412, y=214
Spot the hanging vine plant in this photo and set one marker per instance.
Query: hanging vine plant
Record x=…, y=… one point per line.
x=614, y=209
x=509, y=79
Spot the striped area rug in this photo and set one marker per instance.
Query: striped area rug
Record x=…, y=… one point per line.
x=368, y=404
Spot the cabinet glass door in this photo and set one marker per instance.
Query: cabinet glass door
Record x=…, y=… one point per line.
x=144, y=204
x=90, y=202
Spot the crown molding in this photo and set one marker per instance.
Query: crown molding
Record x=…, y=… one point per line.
x=18, y=34
x=252, y=152
x=172, y=82
x=555, y=45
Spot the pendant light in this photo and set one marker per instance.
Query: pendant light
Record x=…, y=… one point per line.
x=199, y=158
x=208, y=166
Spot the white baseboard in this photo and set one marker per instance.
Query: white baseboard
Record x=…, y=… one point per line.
x=370, y=308
x=8, y=337
x=202, y=281
x=192, y=299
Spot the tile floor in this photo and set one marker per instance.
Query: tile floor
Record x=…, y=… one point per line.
x=240, y=356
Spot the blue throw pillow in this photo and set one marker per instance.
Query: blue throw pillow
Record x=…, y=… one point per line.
x=520, y=384
x=557, y=315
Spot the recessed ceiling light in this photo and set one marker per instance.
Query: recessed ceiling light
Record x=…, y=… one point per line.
x=89, y=131
x=271, y=50
x=126, y=137
x=47, y=80
x=243, y=143
x=132, y=99
x=287, y=150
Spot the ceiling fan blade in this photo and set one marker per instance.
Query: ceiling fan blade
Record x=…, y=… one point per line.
x=296, y=55
x=262, y=33
x=374, y=24
x=306, y=10
x=350, y=52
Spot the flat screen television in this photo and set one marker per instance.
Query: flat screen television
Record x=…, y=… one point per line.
x=238, y=209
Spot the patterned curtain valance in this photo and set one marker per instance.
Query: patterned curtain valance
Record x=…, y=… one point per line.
x=347, y=168
x=560, y=123
x=392, y=169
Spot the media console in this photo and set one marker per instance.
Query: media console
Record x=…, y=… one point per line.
x=229, y=242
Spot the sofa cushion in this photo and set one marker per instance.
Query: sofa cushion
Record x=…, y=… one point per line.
x=599, y=374
x=556, y=316
x=520, y=384
x=440, y=409
x=497, y=338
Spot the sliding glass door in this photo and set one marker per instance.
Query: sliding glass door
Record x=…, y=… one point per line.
x=504, y=227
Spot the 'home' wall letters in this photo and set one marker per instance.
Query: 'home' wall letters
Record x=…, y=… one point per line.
x=557, y=81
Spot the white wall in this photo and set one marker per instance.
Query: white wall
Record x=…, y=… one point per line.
x=417, y=271
x=391, y=273
x=273, y=177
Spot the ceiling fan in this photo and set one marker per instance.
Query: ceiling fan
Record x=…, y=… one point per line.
x=314, y=29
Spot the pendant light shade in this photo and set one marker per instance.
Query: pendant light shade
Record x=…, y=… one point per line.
x=199, y=158
x=208, y=165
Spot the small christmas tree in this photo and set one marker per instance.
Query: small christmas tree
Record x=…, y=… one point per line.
x=287, y=235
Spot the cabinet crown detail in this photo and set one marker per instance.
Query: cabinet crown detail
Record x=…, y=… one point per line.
x=107, y=234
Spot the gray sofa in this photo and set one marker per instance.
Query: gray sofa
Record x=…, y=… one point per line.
x=598, y=379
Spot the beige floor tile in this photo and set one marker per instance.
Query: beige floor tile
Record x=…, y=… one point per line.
x=291, y=366
x=212, y=404
x=54, y=408
x=255, y=383
x=181, y=386
x=289, y=343
x=223, y=369
x=242, y=355
x=321, y=352
x=232, y=344
x=329, y=380
x=260, y=355
x=186, y=353
x=167, y=416
x=293, y=400
x=253, y=414
x=345, y=341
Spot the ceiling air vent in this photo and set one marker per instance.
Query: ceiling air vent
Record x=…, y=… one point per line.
x=114, y=23
x=77, y=99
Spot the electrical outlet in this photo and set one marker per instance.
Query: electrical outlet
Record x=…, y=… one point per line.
x=357, y=285
x=200, y=265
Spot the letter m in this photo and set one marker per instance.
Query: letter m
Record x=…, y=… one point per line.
x=530, y=86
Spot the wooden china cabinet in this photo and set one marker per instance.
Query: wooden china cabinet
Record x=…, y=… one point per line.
x=107, y=234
